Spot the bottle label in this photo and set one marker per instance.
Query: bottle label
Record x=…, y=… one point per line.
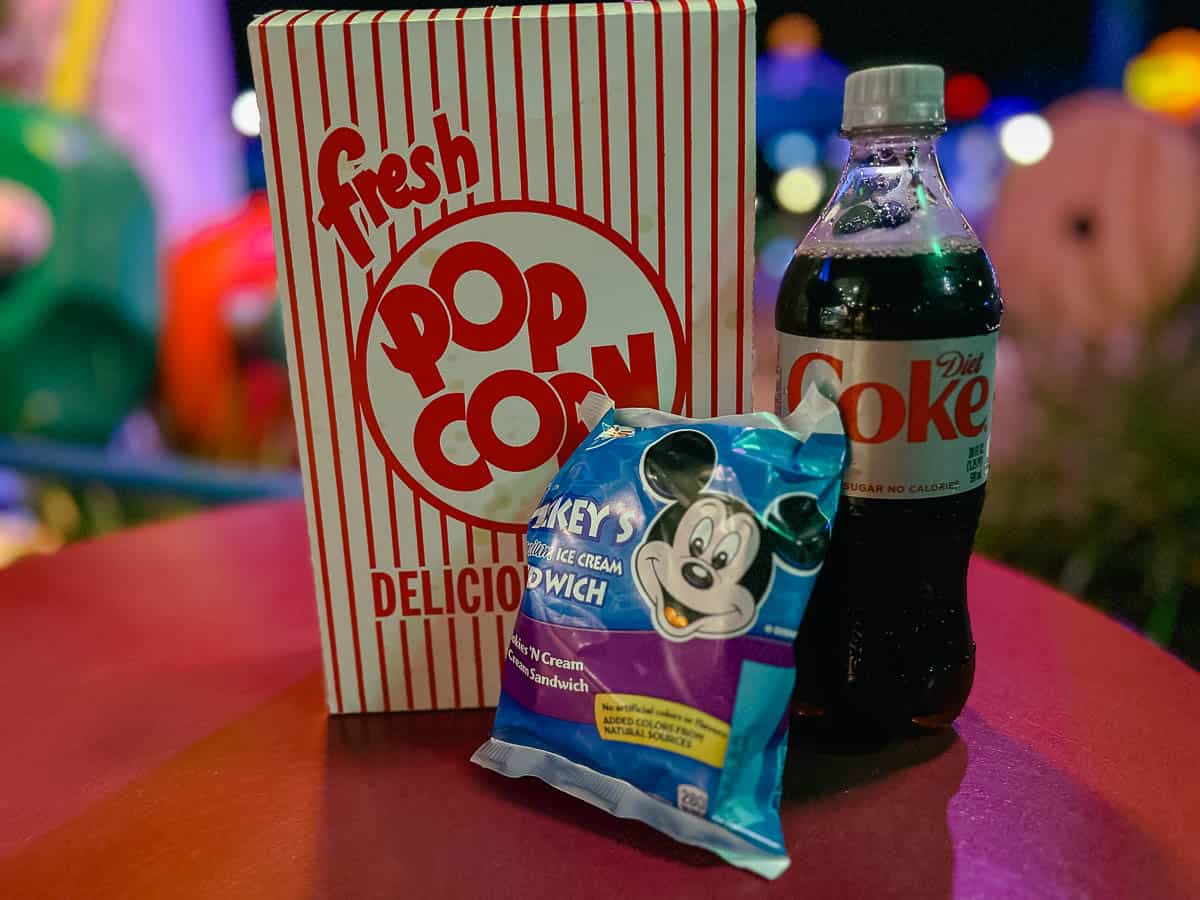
x=918, y=413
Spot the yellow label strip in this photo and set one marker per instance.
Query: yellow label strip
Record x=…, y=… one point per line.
x=73, y=71
x=651, y=722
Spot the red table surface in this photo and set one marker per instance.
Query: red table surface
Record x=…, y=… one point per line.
x=167, y=736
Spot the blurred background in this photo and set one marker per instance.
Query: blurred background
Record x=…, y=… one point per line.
x=142, y=371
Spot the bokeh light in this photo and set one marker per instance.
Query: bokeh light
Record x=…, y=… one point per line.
x=794, y=34
x=791, y=149
x=245, y=114
x=967, y=96
x=1026, y=139
x=1166, y=81
x=1177, y=40
x=1002, y=108
x=797, y=93
x=799, y=190
x=973, y=165
x=977, y=150
x=836, y=151
x=775, y=255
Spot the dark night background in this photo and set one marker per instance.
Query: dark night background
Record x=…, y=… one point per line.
x=1037, y=53
x=1072, y=147
x=1038, y=49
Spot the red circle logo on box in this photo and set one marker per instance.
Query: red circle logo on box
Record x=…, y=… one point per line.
x=484, y=333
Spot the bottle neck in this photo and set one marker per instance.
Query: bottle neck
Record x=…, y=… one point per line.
x=911, y=150
x=891, y=198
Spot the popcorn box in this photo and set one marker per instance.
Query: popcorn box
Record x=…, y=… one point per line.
x=480, y=217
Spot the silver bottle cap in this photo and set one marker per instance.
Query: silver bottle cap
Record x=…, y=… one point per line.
x=894, y=95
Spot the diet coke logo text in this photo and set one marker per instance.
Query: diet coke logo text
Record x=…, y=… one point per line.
x=941, y=399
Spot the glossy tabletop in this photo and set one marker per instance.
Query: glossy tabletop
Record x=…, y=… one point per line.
x=166, y=737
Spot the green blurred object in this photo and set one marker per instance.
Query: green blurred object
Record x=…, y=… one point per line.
x=79, y=316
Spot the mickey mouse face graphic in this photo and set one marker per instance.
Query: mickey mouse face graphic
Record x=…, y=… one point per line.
x=707, y=561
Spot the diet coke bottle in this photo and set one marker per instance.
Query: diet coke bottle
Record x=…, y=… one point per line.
x=891, y=305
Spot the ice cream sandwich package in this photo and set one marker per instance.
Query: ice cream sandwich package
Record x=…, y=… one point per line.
x=651, y=666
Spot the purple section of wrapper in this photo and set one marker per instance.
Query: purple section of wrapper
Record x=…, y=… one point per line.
x=700, y=673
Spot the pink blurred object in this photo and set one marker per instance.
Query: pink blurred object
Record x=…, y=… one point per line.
x=28, y=36
x=163, y=89
x=1105, y=229
x=1014, y=414
x=26, y=229
x=1088, y=244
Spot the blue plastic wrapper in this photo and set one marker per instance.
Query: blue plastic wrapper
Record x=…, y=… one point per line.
x=651, y=665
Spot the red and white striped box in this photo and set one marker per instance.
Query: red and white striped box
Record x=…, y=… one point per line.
x=481, y=215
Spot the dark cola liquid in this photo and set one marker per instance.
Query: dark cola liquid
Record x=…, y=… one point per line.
x=886, y=642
